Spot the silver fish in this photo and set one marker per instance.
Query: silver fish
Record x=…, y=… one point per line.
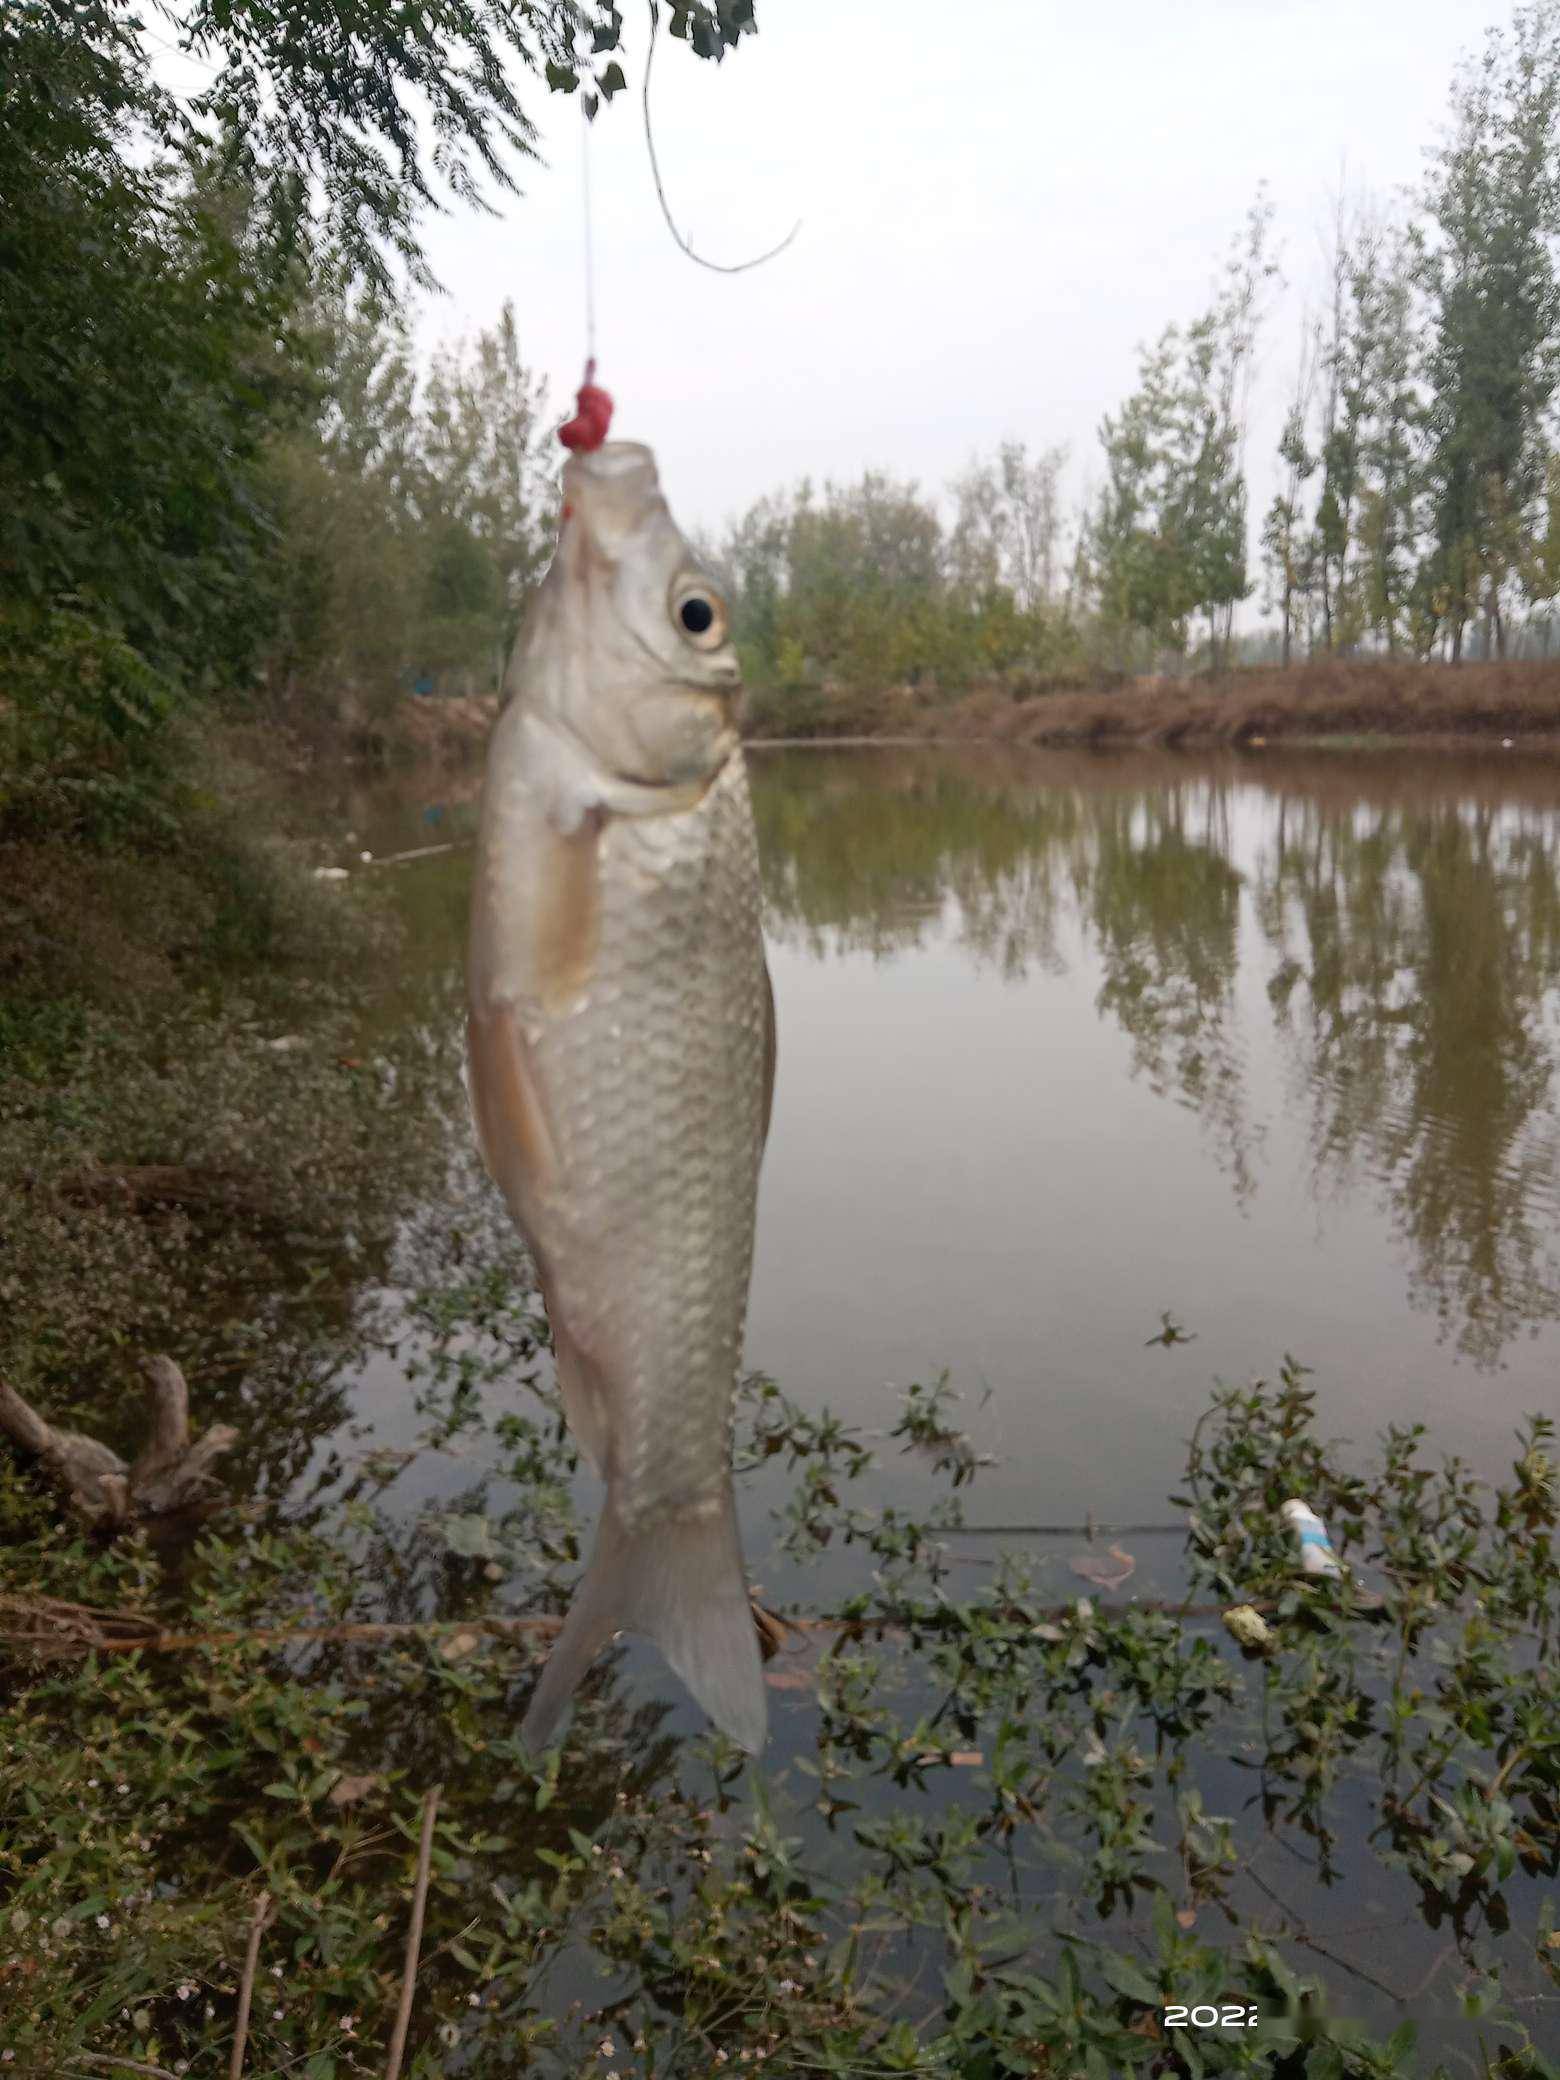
x=622, y=1058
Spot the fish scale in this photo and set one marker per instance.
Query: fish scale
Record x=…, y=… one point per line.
x=665, y=1175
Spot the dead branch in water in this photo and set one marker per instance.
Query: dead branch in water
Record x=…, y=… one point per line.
x=149, y=1187
x=403, y=2013
x=90, y=2060
x=172, y=1473
x=51, y=1627
x=246, y=1990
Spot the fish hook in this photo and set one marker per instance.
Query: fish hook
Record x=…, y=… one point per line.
x=715, y=266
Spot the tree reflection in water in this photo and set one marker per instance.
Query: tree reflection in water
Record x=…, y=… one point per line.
x=1402, y=910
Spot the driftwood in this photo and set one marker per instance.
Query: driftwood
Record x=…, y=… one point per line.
x=172, y=1473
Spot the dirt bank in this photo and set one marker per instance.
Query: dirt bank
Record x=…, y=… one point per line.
x=1451, y=703
x=1434, y=703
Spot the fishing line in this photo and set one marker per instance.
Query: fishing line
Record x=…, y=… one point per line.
x=590, y=250
x=587, y=430
x=715, y=266
x=593, y=407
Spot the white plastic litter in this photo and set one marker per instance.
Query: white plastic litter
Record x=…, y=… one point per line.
x=1316, y=1553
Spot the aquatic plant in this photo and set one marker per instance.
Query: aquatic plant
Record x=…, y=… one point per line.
x=1008, y=1830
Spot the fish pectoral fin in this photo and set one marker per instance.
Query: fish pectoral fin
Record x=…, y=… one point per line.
x=679, y=1580
x=566, y=919
x=506, y=1099
x=583, y=1391
x=771, y=1054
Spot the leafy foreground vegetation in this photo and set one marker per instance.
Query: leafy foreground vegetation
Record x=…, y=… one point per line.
x=995, y=1833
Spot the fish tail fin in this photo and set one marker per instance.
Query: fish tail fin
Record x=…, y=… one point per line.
x=679, y=1581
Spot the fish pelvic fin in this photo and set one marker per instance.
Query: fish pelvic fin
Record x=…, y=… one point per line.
x=679, y=1580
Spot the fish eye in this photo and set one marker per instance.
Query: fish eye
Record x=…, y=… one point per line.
x=699, y=614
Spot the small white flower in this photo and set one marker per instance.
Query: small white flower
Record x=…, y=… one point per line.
x=121, y=1789
x=720, y=2058
x=92, y=1783
x=604, y=2048
x=184, y=1991
x=276, y=1971
x=348, y=2023
x=102, y=1921
x=6, y=2057
x=789, y=1986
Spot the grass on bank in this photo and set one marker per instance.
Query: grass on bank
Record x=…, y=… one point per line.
x=997, y=1832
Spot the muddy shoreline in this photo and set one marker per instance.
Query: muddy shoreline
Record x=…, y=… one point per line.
x=1433, y=706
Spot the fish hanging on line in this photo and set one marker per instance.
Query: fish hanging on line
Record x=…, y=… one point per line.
x=622, y=1052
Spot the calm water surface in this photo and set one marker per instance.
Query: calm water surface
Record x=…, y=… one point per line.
x=1271, y=1041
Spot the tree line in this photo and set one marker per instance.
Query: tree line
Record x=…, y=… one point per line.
x=227, y=473
x=1417, y=512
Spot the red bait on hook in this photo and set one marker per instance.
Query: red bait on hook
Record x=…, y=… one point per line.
x=592, y=415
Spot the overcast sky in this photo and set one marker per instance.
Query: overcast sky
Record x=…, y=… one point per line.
x=987, y=232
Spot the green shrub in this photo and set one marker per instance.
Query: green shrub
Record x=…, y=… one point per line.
x=84, y=751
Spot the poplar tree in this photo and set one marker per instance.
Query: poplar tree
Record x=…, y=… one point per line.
x=1285, y=542
x=1391, y=420
x=1169, y=533
x=1490, y=281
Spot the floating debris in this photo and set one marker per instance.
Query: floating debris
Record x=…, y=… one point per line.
x=1316, y=1554
x=1107, y=1570
x=1248, y=1628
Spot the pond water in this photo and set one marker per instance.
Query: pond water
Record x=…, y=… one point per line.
x=1270, y=1041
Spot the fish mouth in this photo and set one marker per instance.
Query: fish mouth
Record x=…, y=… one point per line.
x=613, y=459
